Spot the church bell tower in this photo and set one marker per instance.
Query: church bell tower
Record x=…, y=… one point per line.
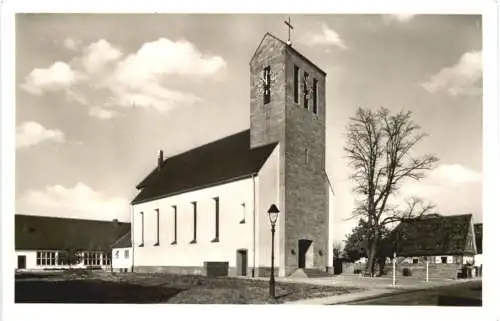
x=287, y=105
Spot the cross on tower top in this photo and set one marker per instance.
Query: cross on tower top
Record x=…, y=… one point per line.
x=290, y=27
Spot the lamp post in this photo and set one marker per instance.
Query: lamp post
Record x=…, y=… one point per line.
x=273, y=217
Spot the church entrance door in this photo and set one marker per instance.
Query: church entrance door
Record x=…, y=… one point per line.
x=241, y=262
x=304, y=249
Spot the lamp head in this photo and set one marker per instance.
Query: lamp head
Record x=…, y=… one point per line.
x=273, y=214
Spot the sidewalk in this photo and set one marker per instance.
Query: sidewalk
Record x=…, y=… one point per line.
x=370, y=288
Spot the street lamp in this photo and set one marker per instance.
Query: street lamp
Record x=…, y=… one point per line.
x=273, y=217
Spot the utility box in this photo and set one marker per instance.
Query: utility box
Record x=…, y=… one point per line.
x=216, y=268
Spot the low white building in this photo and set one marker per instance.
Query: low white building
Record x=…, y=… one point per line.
x=54, y=243
x=121, y=260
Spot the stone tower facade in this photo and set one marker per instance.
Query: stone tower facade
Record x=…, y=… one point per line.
x=287, y=105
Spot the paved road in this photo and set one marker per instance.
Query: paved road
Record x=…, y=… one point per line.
x=464, y=294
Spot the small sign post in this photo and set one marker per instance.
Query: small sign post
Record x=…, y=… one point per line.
x=394, y=270
x=427, y=270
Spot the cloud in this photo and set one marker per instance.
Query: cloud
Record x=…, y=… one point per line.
x=463, y=78
x=71, y=43
x=102, y=113
x=145, y=78
x=166, y=57
x=400, y=17
x=32, y=133
x=59, y=76
x=79, y=201
x=454, y=174
x=454, y=189
x=326, y=37
x=98, y=54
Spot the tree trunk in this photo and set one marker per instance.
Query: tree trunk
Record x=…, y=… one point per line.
x=370, y=265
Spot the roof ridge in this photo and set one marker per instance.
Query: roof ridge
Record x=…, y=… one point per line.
x=129, y=232
x=70, y=218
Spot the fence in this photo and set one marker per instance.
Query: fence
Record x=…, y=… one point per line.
x=418, y=270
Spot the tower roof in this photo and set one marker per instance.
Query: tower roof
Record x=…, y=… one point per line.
x=289, y=48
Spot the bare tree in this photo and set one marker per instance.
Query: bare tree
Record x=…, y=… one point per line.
x=378, y=147
x=337, y=249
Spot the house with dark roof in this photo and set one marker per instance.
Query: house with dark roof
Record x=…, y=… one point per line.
x=209, y=205
x=441, y=239
x=478, y=232
x=122, y=253
x=43, y=242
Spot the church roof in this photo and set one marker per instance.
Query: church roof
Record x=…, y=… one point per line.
x=221, y=161
x=56, y=233
x=433, y=235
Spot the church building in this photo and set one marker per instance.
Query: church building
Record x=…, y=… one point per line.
x=209, y=204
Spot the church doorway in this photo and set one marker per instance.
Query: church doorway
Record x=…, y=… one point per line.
x=306, y=254
x=21, y=261
x=241, y=262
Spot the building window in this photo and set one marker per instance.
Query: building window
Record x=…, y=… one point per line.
x=306, y=90
x=315, y=96
x=216, y=209
x=157, y=227
x=174, y=208
x=268, y=121
x=91, y=258
x=266, y=77
x=415, y=261
x=296, y=84
x=243, y=213
x=60, y=257
x=194, y=222
x=106, y=259
x=444, y=259
x=47, y=258
x=125, y=254
x=117, y=254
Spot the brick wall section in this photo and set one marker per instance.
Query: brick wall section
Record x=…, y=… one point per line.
x=270, y=53
x=303, y=196
x=306, y=186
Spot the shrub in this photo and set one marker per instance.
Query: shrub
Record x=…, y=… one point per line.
x=406, y=272
x=357, y=271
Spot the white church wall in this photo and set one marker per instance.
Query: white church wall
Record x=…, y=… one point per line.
x=233, y=235
x=268, y=193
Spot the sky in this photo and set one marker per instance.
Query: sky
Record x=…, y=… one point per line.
x=97, y=95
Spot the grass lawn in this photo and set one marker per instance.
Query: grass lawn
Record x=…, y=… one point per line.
x=99, y=287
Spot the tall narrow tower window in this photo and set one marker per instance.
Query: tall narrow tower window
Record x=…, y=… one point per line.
x=296, y=84
x=306, y=90
x=315, y=96
x=266, y=78
x=194, y=222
